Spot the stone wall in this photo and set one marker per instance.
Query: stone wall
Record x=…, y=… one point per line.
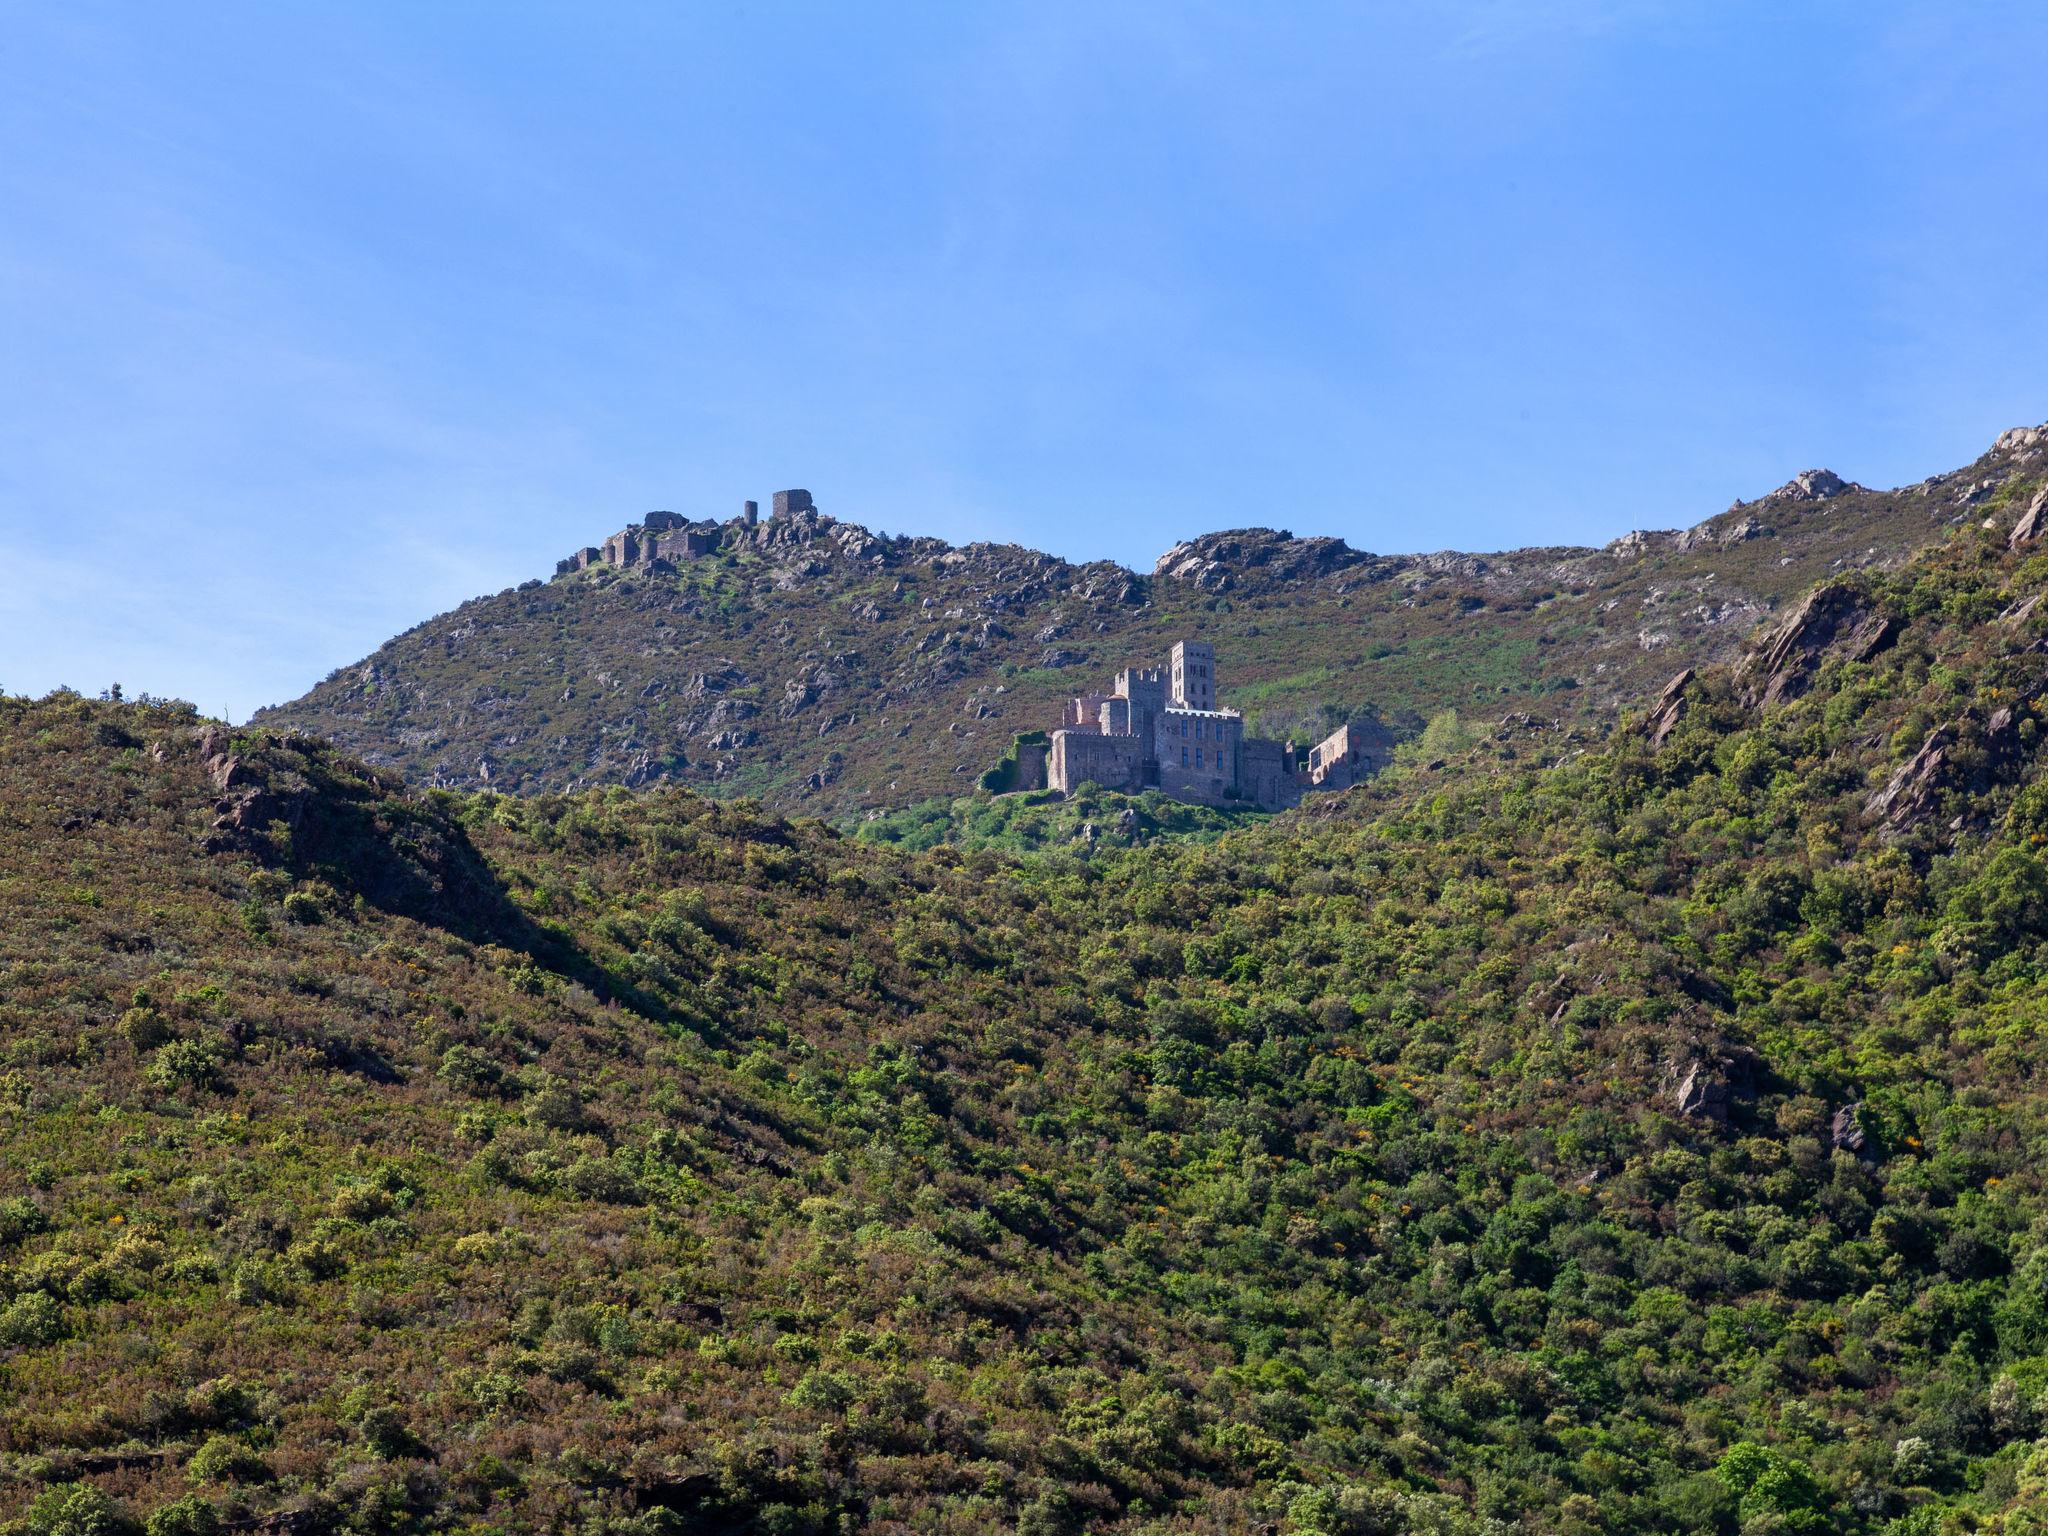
x=1083, y=712
x=1350, y=754
x=1084, y=757
x=1145, y=687
x=1266, y=774
x=687, y=544
x=662, y=536
x=1031, y=764
x=1197, y=753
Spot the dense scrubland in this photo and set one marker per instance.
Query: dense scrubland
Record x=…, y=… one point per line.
x=1646, y=1137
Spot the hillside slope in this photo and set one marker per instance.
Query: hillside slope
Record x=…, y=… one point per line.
x=1650, y=1142
x=811, y=664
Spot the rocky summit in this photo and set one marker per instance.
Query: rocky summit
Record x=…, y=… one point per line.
x=813, y=663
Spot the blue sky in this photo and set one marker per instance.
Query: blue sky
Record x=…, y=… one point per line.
x=315, y=320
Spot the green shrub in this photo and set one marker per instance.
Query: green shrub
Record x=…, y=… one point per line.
x=30, y=1321
x=74, y=1509
x=303, y=907
x=256, y=1283
x=20, y=1217
x=224, y=1459
x=361, y=1203
x=555, y=1105
x=255, y=918
x=184, y=1063
x=599, y=1178
x=189, y=1516
x=470, y=1070
x=318, y=1259
x=1772, y=1487
x=384, y=1434
x=145, y=1028
x=824, y=1391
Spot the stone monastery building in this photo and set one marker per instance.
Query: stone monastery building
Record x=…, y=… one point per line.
x=1162, y=729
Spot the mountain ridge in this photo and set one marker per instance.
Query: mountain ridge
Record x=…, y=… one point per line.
x=811, y=663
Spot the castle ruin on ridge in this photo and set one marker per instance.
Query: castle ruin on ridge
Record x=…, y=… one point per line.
x=661, y=540
x=1161, y=728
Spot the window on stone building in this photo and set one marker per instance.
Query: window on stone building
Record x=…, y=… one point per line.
x=1183, y=757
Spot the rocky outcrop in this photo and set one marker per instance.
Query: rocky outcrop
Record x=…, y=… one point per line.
x=1954, y=756
x=1669, y=709
x=249, y=802
x=2020, y=439
x=1812, y=485
x=1639, y=541
x=1216, y=562
x=1722, y=530
x=2028, y=528
x=1845, y=1131
x=1705, y=1086
x=1909, y=797
x=1832, y=621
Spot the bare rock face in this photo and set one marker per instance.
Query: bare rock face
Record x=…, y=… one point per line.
x=1703, y=1087
x=2018, y=439
x=1908, y=798
x=2020, y=611
x=1715, y=530
x=1829, y=621
x=1670, y=708
x=1913, y=794
x=2028, y=528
